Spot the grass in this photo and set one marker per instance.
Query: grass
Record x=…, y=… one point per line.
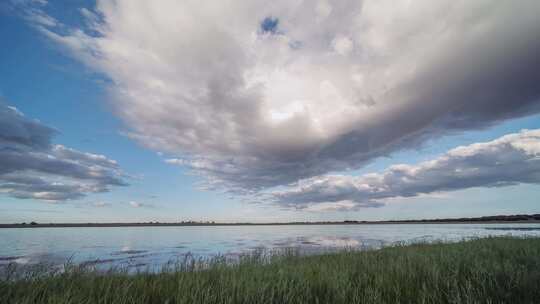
x=492, y=270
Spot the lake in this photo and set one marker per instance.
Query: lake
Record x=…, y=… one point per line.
x=136, y=247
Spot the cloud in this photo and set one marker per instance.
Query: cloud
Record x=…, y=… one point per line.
x=32, y=11
x=100, y=204
x=135, y=204
x=343, y=83
x=31, y=167
x=345, y=205
x=509, y=160
x=342, y=45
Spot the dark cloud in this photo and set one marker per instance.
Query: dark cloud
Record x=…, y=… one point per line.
x=15, y=131
x=32, y=167
x=509, y=160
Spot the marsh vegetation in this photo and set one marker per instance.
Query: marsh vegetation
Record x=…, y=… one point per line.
x=491, y=270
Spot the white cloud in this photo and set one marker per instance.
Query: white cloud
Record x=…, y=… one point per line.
x=323, y=9
x=342, y=45
x=101, y=204
x=337, y=206
x=135, y=204
x=176, y=161
x=250, y=110
x=509, y=160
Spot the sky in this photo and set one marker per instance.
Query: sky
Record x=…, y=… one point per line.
x=257, y=111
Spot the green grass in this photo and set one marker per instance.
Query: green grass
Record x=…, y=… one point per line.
x=493, y=270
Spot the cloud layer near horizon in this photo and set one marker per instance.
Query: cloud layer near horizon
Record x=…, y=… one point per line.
x=32, y=167
x=509, y=160
x=322, y=86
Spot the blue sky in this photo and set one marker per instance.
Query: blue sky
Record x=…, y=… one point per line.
x=98, y=108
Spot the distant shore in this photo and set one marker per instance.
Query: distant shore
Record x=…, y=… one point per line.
x=497, y=219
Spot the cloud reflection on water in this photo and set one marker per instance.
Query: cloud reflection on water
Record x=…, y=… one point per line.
x=136, y=247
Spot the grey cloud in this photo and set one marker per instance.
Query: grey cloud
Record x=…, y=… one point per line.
x=509, y=160
x=248, y=112
x=33, y=168
x=48, y=162
x=17, y=131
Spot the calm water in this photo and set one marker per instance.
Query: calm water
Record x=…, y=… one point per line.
x=154, y=246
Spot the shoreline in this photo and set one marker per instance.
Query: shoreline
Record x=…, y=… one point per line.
x=98, y=225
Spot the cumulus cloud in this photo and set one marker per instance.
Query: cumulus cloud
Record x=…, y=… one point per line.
x=32, y=167
x=509, y=160
x=257, y=94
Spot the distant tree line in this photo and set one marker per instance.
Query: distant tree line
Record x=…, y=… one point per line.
x=494, y=218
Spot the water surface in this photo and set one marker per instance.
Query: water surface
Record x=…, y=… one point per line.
x=155, y=246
